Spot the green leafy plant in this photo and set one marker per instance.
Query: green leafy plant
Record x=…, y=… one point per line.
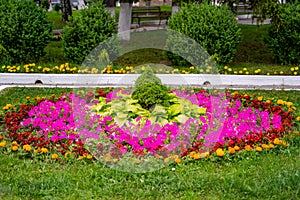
x=213, y=27
x=86, y=31
x=25, y=30
x=147, y=77
x=284, y=35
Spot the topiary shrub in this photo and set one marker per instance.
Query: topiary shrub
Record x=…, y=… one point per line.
x=149, y=90
x=86, y=31
x=284, y=35
x=213, y=27
x=147, y=77
x=25, y=30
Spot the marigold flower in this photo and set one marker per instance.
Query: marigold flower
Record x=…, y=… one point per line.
x=297, y=133
x=280, y=102
x=259, y=149
x=289, y=104
x=1, y=137
x=203, y=155
x=248, y=147
x=276, y=141
x=14, y=143
x=220, y=152
x=231, y=150
x=271, y=146
x=166, y=160
x=192, y=153
x=27, y=147
x=69, y=153
x=44, y=150
x=236, y=148
x=15, y=148
x=89, y=157
x=177, y=160
x=298, y=118
x=260, y=98
x=2, y=144
x=54, y=156
x=196, y=156
x=265, y=146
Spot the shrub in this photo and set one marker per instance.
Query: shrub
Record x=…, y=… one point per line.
x=25, y=30
x=213, y=27
x=284, y=35
x=147, y=77
x=150, y=94
x=86, y=31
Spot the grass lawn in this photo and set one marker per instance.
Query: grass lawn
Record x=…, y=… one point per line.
x=266, y=175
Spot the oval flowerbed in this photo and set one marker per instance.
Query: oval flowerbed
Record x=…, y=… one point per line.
x=55, y=127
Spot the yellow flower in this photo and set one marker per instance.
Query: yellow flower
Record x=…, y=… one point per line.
x=271, y=146
x=192, y=67
x=280, y=102
x=196, y=156
x=236, y=148
x=259, y=149
x=296, y=68
x=231, y=150
x=298, y=118
x=68, y=154
x=289, y=104
x=260, y=98
x=89, y=157
x=27, y=147
x=225, y=67
x=292, y=69
x=177, y=160
x=14, y=148
x=203, y=155
x=276, y=141
x=245, y=69
x=265, y=146
x=192, y=153
x=284, y=143
x=44, y=150
x=297, y=133
x=295, y=73
x=54, y=156
x=220, y=152
x=14, y=143
x=166, y=160
x=248, y=147
x=2, y=144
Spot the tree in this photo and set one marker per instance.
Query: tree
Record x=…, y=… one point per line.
x=110, y=6
x=125, y=19
x=66, y=10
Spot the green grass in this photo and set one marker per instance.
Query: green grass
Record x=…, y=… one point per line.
x=267, y=175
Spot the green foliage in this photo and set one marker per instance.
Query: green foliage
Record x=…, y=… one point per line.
x=213, y=27
x=45, y=4
x=25, y=30
x=284, y=35
x=57, y=7
x=150, y=94
x=86, y=31
x=147, y=77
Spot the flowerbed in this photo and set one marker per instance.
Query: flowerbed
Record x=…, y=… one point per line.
x=89, y=125
x=66, y=68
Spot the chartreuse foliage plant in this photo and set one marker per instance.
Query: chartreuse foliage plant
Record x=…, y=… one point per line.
x=25, y=31
x=284, y=35
x=213, y=27
x=86, y=31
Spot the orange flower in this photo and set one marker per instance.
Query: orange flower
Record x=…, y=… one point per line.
x=220, y=152
x=14, y=143
x=15, y=148
x=248, y=147
x=192, y=153
x=27, y=147
x=54, y=156
x=231, y=150
x=44, y=150
x=276, y=141
x=2, y=144
x=271, y=146
x=236, y=148
x=1, y=137
x=177, y=160
x=259, y=149
x=196, y=156
x=69, y=153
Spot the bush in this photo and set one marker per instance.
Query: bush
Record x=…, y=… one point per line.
x=25, y=30
x=86, y=31
x=149, y=90
x=213, y=27
x=147, y=77
x=284, y=35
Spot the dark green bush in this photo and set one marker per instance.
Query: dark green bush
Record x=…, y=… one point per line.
x=150, y=94
x=284, y=35
x=24, y=30
x=147, y=77
x=86, y=31
x=213, y=27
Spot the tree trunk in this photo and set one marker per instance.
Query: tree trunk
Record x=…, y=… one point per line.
x=66, y=10
x=175, y=8
x=110, y=6
x=125, y=20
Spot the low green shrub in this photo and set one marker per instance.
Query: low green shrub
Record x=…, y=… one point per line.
x=284, y=35
x=147, y=77
x=213, y=27
x=25, y=30
x=86, y=31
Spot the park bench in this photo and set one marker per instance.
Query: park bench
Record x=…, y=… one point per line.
x=148, y=12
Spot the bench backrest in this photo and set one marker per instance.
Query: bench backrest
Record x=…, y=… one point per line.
x=146, y=9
